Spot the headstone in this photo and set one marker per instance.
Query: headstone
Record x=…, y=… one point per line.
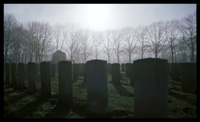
x=132, y=75
x=83, y=71
x=109, y=65
x=123, y=67
x=169, y=69
x=116, y=73
x=65, y=82
x=13, y=74
x=175, y=74
x=97, y=91
x=151, y=88
x=7, y=70
x=75, y=72
x=45, y=79
x=21, y=75
x=188, y=77
x=31, y=77
x=37, y=68
x=57, y=57
x=128, y=70
x=53, y=69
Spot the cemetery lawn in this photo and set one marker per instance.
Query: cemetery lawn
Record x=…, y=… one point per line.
x=20, y=104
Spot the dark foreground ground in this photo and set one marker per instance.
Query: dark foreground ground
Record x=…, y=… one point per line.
x=20, y=104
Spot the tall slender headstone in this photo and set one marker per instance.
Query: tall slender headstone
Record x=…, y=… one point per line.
x=13, y=74
x=53, y=69
x=97, y=91
x=188, y=77
x=128, y=70
x=65, y=82
x=45, y=79
x=21, y=75
x=175, y=74
x=123, y=67
x=132, y=75
x=31, y=77
x=151, y=88
x=116, y=73
x=7, y=70
x=109, y=67
x=75, y=72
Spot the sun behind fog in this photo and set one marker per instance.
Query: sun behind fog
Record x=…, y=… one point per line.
x=98, y=16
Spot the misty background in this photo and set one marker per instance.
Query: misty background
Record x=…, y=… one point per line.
x=118, y=33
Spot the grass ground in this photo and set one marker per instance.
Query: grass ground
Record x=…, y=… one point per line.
x=21, y=104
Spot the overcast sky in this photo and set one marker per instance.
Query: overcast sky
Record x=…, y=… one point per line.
x=101, y=16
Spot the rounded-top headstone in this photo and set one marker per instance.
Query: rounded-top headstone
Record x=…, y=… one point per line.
x=45, y=79
x=116, y=73
x=151, y=88
x=65, y=82
x=21, y=74
x=97, y=93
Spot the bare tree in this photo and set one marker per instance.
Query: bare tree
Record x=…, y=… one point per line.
x=141, y=36
x=10, y=33
x=189, y=33
x=86, y=46
x=57, y=34
x=107, y=44
x=96, y=41
x=118, y=50
x=156, y=37
x=172, y=31
x=41, y=36
x=129, y=38
x=72, y=40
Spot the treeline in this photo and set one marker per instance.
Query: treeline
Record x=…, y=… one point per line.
x=34, y=41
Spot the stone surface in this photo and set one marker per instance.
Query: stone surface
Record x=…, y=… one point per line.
x=188, y=77
x=97, y=91
x=53, y=69
x=65, y=82
x=116, y=73
x=109, y=68
x=123, y=67
x=75, y=72
x=21, y=75
x=175, y=74
x=45, y=79
x=13, y=74
x=31, y=77
x=132, y=75
x=128, y=70
x=151, y=88
x=57, y=57
x=7, y=71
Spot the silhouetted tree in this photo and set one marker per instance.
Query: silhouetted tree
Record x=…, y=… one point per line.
x=156, y=37
x=188, y=28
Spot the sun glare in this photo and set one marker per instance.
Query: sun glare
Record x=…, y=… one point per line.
x=98, y=17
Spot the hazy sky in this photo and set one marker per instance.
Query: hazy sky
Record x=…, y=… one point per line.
x=99, y=16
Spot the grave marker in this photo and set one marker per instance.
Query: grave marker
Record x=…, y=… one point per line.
x=97, y=93
x=151, y=88
x=65, y=82
x=45, y=79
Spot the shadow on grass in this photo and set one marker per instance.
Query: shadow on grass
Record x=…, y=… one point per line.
x=28, y=109
x=15, y=98
x=58, y=111
x=122, y=91
x=182, y=97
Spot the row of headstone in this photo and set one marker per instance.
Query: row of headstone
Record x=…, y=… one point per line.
x=149, y=80
x=79, y=70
